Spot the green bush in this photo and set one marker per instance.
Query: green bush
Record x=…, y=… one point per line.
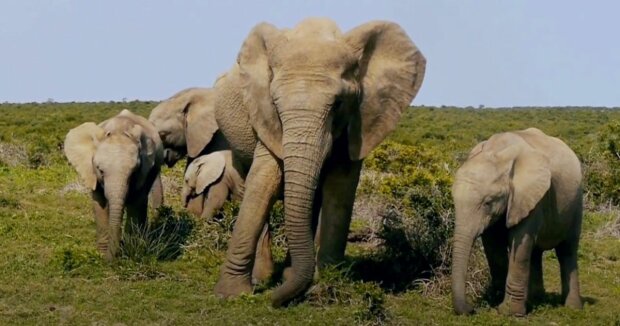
x=414, y=184
x=602, y=166
x=163, y=239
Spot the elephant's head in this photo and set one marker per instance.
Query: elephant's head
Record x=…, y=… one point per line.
x=112, y=157
x=310, y=85
x=185, y=122
x=200, y=174
x=502, y=181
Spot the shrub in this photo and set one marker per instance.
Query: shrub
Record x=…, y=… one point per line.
x=602, y=166
x=163, y=239
x=414, y=184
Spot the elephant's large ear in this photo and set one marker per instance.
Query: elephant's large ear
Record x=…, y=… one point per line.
x=200, y=123
x=211, y=167
x=530, y=180
x=391, y=70
x=80, y=146
x=255, y=75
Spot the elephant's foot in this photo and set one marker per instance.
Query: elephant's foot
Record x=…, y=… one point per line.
x=232, y=285
x=574, y=302
x=536, y=293
x=512, y=308
x=262, y=271
x=463, y=308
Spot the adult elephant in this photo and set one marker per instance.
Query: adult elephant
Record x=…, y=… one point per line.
x=187, y=127
x=307, y=105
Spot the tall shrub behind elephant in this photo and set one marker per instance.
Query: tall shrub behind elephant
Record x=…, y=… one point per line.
x=521, y=191
x=187, y=126
x=118, y=160
x=308, y=104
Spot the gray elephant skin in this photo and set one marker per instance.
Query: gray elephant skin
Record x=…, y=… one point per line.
x=209, y=181
x=187, y=126
x=521, y=192
x=119, y=161
x=304, y=106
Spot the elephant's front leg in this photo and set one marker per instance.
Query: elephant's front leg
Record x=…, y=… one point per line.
x=262, y=185
x=195, y=205
x=495, y=243
x=341, y=177
x=137, y=214
x=521, y=244
x=100, y=208
x=157, y=193
x=214, y=200
x=537, y=285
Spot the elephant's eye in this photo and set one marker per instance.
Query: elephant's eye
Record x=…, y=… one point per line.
x=488, y=202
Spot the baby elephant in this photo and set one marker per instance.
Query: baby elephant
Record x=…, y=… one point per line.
x=209, y=180
x=118, y=160
x=521, y=191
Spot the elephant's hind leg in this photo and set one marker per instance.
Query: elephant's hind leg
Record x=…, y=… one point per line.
x=567, y=255
x=263, y=264
x=262, y=185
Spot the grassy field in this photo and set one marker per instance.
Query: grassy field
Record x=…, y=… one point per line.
x=50, y=272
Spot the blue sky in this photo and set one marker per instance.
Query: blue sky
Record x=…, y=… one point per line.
x=489, y=52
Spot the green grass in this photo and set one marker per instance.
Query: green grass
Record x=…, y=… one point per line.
x=50, y=272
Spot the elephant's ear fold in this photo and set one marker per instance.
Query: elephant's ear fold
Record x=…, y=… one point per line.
x=391, y=70
x=200, y=123
x=530, y=180
x=79, y=147
x=255, y=74
x=477, y=149
x=211, y=167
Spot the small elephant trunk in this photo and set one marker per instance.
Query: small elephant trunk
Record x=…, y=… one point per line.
x=463, y=242
x=116, y=193
x=303, y=160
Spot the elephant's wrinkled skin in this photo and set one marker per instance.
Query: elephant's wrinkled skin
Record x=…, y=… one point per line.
x=521, y=191
x=118, y=160
x=187, y=126
x=307, y=104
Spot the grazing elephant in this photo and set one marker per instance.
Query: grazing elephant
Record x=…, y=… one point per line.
x=209, y=181
x=187, y=126
x=118, y=160
x=307, y=104
x=521, y=191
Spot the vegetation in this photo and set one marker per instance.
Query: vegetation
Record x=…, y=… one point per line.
x=398, y=256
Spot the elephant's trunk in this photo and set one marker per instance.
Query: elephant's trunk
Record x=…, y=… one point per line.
x=463, y=242
x=306, y=143
x=116, y=192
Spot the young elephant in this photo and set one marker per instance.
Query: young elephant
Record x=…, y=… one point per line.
x=118, y=160
x=521, y=191
x=209, y=180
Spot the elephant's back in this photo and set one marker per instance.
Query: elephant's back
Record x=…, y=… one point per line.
x=232, y=116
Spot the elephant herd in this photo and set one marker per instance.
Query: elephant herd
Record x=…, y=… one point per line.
x=293, y=119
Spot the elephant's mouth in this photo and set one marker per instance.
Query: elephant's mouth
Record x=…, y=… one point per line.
x=171, y=157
